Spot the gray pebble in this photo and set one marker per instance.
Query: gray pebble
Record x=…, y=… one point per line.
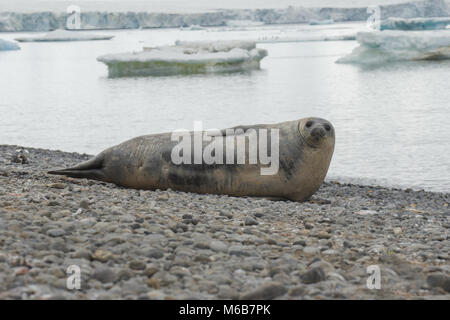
x=104, y=275
x=56, y=232
x=313, y=276
x=267, y=291
x=137, y=265
x=250, y=221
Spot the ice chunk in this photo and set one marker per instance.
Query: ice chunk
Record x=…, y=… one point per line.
x=65, y=35
x=314, y=22
x=187, y=58
x=8, y=45
x=384, y=46
x=415, y=24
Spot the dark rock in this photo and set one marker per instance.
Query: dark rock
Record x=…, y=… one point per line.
x=104, y=275
x=312, y=276
x=137, y=265
x=265, y=292
x=440, y=280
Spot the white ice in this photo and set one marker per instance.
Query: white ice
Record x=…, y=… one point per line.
x=8, y=45
x=314, y=22
x=415, y=24
x=217, y=46
x=186, y=58
x=125, y=15
x=243, y=23
x=306, y=38
x=384, y=46
x=64, y=35
x=193, y=27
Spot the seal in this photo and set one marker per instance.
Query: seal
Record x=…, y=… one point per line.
x=304, y=149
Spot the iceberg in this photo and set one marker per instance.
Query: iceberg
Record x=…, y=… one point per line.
x=378, y=47
x=64, y=35
x=8, y=45
x=414, y=24
x=185, y=58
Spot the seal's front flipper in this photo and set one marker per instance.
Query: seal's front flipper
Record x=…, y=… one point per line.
x=91, y=169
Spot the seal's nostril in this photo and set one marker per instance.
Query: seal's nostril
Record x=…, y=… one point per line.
x=309, y=124
x=322, y=132
x=327, y=127
x=318, y=132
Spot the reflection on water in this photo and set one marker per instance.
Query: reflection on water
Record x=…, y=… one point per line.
x=391, y=121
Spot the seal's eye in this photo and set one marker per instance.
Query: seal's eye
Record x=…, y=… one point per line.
x=309, y=124
x=327, y=127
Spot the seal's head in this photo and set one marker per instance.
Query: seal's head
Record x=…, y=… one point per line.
x=316, y=132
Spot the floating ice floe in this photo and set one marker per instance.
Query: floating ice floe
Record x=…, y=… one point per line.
x=314, y=22
x=186, y=58
x=8, y=45
x=65, y=35
x=414, y=24
x=386, y=46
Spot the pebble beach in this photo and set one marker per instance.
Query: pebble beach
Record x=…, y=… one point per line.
x=136, y=244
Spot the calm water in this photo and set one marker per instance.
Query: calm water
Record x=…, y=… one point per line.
x=391, y=122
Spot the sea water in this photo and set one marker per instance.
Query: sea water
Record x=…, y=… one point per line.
x=391, y=120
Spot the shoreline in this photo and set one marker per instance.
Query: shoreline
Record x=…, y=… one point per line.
x=133, y=244
x=333, y=180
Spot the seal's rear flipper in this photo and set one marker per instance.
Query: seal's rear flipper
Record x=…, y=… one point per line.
x=96, y=174
x=91, y=169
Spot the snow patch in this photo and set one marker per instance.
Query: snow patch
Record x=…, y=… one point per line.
x=217, y=46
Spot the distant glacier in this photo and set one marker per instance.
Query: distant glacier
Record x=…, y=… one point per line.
x=46, y=21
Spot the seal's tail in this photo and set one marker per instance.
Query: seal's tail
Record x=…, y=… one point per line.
x=91, y=169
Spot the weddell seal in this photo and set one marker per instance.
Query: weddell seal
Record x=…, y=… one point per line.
x=239, y=161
